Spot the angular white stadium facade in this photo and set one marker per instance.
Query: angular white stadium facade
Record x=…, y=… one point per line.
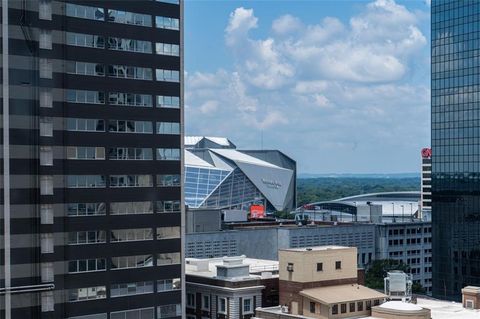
x=218, y=176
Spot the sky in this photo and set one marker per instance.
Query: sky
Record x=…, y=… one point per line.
x=341, y=86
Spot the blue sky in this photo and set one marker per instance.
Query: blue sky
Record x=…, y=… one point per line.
x=340, y=86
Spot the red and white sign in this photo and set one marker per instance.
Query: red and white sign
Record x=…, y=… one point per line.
x=426, y=152
x=257, y=211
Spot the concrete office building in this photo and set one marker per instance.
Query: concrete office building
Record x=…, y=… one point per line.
x=455, y=146
x=410, y=243
x=92, y=139
x=230, y=287
x=219, y=176
x=322, y=282
x=263, y=242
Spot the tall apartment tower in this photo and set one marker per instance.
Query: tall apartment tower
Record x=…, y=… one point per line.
x=91, y=217
x=426, y=185
x=455, y=146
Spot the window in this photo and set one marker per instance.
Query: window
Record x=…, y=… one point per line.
x=85, y=125
x=125, y=262
x=167, y=75
x=45, y=97
x=126, y=17
x=88, y=293
x=167, y=23
x=86, y=237
x=130, y=72
x=131, y=181
x=85, y=40
x=45, y=10
x=205, y=302
x=129, y=289
x=338, y=265
x=46, y=185
x=86, y=265
x=168, y=206
x=46, y=126
x=352, y=307
x=126, y=126
x=130, y=99
x=138, y=234
x=46, y=214
x=85, y=153
x=85, y=209
x=168, y=232
x=167, y=49
x=46, y=156
x=368, y=304
x=84, y=12
x=85, y=68
x=168, y=259
x=169, y=311
x=45, y=39
x=171, y=128
x=360, y=306
x=169, y=1
x=222, y=305
x=168, y=154
x=46, y=243
x=376, y=302
x=247, y=305
x=335, y=310
x=168, y=180
x=95, y=316
x=190, y=300
x=129, y=45
x=168, y=101
x=46, y=272
x=131, y=208
x=312, y=307
x=45, y=68
x=319, y=266
x=290, y=267
x=85, y=97
x=85, y=181
x=145, y=313
x=130, y=153
x=169, y=284
x=47, y=301
x=343, y=308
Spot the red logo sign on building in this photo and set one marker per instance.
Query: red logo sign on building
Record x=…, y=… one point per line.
x=427, y=152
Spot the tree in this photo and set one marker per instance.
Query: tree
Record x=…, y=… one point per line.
x=378, y=269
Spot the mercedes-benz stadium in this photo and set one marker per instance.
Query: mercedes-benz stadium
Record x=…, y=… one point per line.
x=219, y=176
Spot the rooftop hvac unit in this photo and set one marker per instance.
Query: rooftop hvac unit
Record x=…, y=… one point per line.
x=398, y=286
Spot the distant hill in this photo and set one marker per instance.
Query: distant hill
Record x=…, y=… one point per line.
x=319, y=189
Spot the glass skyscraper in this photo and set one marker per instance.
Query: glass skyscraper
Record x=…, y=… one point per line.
x=455, y=146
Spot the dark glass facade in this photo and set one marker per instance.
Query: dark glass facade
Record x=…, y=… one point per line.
x=93, y=128
x=455, y=146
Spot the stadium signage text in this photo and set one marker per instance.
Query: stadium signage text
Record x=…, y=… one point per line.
x=271, y=184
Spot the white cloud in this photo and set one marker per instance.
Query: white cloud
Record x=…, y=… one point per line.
x=209, y=107
x=286, y=24
x=241, y=21
x=320, y=88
